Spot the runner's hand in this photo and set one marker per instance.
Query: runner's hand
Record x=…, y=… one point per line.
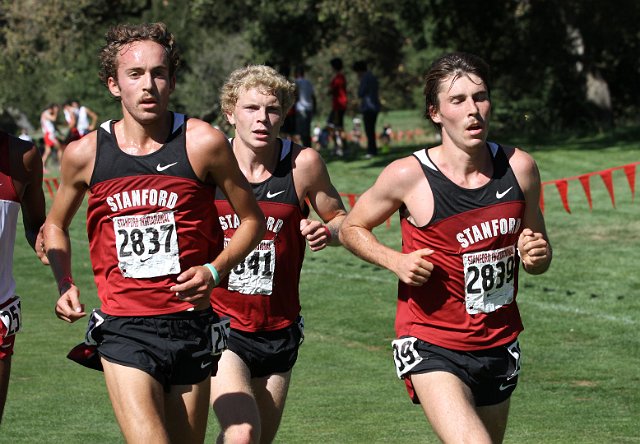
x=413, y=269
x=315, y=233
x=68, y=308
x=195, y=285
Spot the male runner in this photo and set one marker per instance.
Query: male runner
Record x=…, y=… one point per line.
x=261, y=296
x=469, y=216
x=156, y=247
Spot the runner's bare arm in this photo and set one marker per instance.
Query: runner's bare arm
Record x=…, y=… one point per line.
x=311, y=175
x=29, y=170
x=74, y=178
x=214, y=162
x=374, y=207
x=533, y=244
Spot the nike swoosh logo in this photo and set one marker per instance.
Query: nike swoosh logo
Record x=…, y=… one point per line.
x=271, y=195
x=500, y=195
x=164, y=167
x=205, y=364
x=504, y=387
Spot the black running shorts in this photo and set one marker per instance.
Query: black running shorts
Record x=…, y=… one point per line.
x=175, y=349
x=492, y=374
x=268, y=352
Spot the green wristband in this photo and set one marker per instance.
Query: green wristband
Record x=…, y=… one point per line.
x=214, y=273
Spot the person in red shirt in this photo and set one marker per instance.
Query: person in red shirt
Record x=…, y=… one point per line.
x=470, y=215
x=338, y=93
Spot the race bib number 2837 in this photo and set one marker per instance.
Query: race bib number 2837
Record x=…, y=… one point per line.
x=147, y=245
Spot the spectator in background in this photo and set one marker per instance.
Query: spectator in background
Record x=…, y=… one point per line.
x=305, y=106
x=385, y=137
x=48, y=124
x=369, y=104
x=338, y=93
x=70, y=116
x=86, y=119
x=288, y=128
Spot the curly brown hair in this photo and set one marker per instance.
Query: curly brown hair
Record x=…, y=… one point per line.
x=124, y=34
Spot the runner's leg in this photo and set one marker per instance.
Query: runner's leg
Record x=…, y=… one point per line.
x=233, y=401
x=138, y=403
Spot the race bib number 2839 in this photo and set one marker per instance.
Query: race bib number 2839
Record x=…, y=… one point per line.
x=489, y=279
x=147, y=245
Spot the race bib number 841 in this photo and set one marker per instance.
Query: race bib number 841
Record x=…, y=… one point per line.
x=254, y=275
x=147, y=245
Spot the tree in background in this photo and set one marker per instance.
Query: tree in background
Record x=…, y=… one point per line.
x=556, y=64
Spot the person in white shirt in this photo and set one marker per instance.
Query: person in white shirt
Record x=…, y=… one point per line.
x=305, y=106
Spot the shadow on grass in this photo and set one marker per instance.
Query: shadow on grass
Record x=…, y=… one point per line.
x=625, y=137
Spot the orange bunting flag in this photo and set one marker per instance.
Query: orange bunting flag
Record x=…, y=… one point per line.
x=563, y=187
x=630, y=171
x=608, y=182
x=584, y=180
x=605, y=175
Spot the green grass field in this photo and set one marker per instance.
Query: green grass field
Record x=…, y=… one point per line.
x=580, y=375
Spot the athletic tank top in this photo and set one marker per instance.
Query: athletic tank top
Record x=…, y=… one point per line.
x=149, y=218
x=261, y=294
x=469, y=302
x=9, y=209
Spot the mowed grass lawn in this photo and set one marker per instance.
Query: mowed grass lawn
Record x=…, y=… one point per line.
x=581, y=354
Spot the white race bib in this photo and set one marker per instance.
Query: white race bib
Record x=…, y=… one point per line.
x=489, y=279
x=220, y=332
x=147, y=245
x=405, y=355
x=254, y=275
x=11, y=317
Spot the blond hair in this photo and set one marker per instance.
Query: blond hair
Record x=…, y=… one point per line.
x=262, y=77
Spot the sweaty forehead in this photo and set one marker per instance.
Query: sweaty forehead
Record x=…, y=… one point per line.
x=458, y=80
x=144, y=51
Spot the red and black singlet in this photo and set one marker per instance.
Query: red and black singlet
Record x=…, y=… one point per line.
x=261, y=294
x=149, y=218
x=469, y=301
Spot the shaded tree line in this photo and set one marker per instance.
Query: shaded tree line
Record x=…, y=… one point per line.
x=555, y=64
